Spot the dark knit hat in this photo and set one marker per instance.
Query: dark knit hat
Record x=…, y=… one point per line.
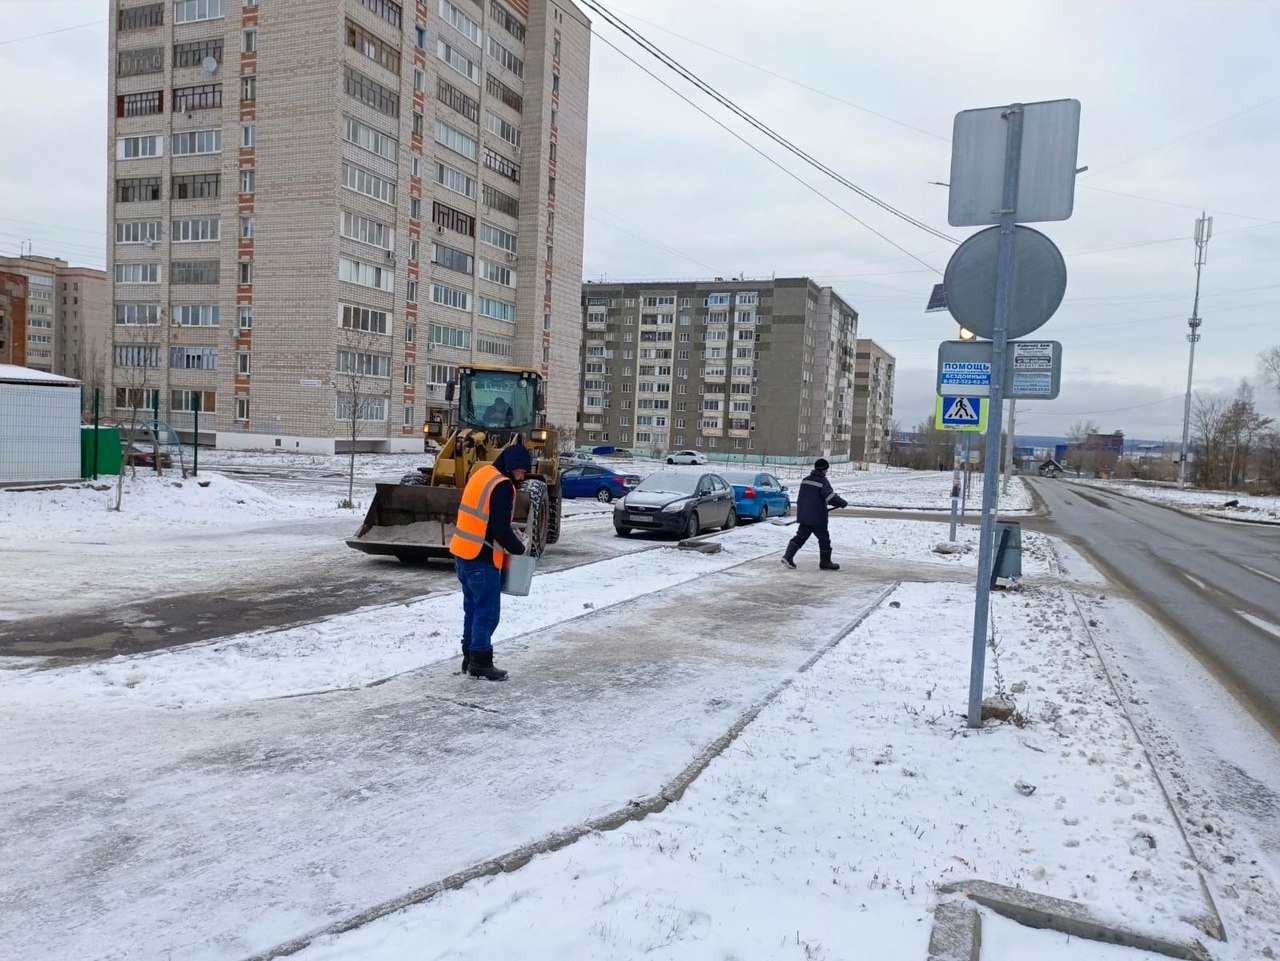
x=513, y=458
x=821, y=464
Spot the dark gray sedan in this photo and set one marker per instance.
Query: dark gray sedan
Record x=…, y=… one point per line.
x=678, y=502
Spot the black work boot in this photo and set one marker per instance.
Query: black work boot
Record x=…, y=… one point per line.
x=825, y=562
x=482, y=666
x=789, y=557
x=466, y=657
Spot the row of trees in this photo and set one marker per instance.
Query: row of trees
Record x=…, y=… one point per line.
x=1237, y=447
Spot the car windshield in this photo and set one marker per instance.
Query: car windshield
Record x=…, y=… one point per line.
x=670, y=482
x=739, y=477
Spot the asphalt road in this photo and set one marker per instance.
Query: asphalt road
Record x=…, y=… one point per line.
x=1216, y=584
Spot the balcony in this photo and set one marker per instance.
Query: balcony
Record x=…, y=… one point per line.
x=597, y=323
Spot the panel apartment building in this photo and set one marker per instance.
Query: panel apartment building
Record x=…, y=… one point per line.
x=759, y=367
x=67, y=320
x=872, y=402
x=321, y=208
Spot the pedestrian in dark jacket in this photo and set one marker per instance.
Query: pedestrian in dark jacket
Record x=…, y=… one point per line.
x=812, y=503
x=480, y=545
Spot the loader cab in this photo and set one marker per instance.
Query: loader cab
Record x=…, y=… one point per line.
x=498, y=400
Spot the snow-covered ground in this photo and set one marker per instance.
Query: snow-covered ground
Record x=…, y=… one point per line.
x=222, y=798
x=1208, y=503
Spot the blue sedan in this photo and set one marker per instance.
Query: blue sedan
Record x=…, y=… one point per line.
x=601, y=483
x=758, y=495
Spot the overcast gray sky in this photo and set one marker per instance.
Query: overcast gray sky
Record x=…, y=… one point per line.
x=1181, y=110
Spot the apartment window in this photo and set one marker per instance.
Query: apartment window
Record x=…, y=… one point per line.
x=191, y=11
x=141, y=18
x=188, y=401
x=248, y=180
x=501, y=128
x=195, y=272
x=385, y=9
x=365, y=137
x=189, y=231
x=137, y=231
x=417, y=124
x=452, y=179
x=367, y=230
x=196, y=186
x=137, y=273
x=245, y=272
x=506, y=58
x=497, y=237
x=555, y=83
x=410, y=333
x=134, y=148
x=449, y=336
x=504, y=93
x=551, y=186
x=448, y=296
x=205, y=96
x=409, y=371
x=368, y=409
x=368, y=183
x=415, y=208
x=370, y=92
x=195, y=315
x=415, y=166
x=497, y=346
x=249, y=41
x=365, y=319
x=497, y=309
x=497, y=273
x=413, y=250
x=248, y=88
x=246, y=317
x=137, y=315
x=194, y=54
x=140, y=104
x=500, y=164
x=366, y=275
x=419, y=80
x=247, y=135
x=505, y=20
x=456, y=140
x=441, y=373
x=242, y=408
x=458, y=61
x=134, y=63
x=409, y=420
x=383, y=54
x=451, y=258
x=460, y=21
x=411, y=291
x=451, y=219
x=193, y=358
x=197, y=142
x=133, y=355
x=455, y=99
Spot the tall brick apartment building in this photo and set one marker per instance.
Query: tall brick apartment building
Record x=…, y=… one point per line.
x=13, y=319
x=738, y=367
x=67, y=326
x=872, y=402
x=320, y=195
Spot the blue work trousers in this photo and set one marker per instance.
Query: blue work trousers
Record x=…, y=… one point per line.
x=481, y=602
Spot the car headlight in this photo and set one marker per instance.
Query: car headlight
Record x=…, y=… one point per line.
x=620, y=505
x=675, y=506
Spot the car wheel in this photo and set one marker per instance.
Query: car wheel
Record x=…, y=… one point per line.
x=731, y=521
x=621, y=531
x=694, y=527
x=604, y=495
x=764, y=512
x=670, y=460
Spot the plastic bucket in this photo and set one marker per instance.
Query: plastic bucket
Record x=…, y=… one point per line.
x=517, y=574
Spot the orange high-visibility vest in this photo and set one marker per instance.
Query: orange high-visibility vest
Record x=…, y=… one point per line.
x=473, y=517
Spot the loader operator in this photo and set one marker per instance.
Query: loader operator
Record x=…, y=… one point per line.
x=498, y=414
x=480, y=545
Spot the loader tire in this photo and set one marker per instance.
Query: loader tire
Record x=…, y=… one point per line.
x=539, y=515
x=553, y=516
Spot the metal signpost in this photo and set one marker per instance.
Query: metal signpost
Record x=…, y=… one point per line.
x=1027, y=268
x=961, y=414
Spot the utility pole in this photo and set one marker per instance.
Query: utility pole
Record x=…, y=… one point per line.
x=1204, y=230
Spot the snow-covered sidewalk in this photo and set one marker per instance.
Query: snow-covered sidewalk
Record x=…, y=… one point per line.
x=1259, y=510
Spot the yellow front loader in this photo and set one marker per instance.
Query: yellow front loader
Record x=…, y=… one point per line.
x=496, y=407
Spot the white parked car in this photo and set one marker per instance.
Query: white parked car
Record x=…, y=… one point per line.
x=686, y=457
x=576, y=458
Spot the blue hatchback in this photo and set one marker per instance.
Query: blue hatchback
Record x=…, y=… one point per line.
x=601, y=483
x=758, y=494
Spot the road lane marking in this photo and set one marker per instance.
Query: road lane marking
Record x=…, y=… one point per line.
x=1196, y=581
x=1260, y=622
x=1270, y=577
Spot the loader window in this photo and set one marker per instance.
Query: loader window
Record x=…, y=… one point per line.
x=497, y=400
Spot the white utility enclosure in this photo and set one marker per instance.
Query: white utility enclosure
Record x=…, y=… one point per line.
x=39, y=426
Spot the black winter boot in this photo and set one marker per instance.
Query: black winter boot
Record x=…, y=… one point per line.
x=789, y=557
x=466, y=657
x=825, y=562
x=482, y=666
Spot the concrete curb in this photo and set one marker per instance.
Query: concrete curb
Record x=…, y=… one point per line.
x=1068, y=917
x=957, y=932
x=634, y=810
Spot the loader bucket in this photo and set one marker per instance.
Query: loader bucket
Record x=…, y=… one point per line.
x=414, y=522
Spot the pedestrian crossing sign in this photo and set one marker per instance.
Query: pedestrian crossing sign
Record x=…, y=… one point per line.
x=961, y=413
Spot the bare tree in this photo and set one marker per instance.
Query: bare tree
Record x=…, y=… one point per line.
x=1208, y=412
x=1079, y=432
x=133, y=362
x=359, y=369
x=1269, y=368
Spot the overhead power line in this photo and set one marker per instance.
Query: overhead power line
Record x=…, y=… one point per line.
x=50, y=33
x=674, y=65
